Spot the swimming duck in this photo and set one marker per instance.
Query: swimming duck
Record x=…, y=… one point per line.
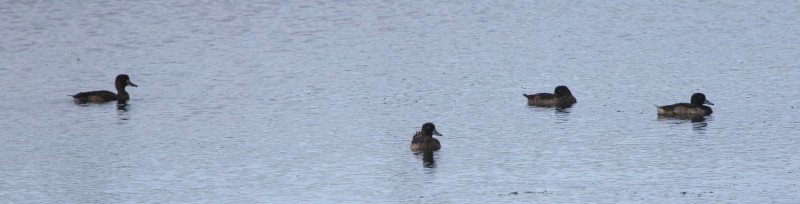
x=561, y=97
x=423, y=140
x=696, y=108
x=103, y=96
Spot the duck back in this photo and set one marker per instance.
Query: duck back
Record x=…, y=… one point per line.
x=94, y=97
x=548, y=99
x=684, y=109
x=421, y=142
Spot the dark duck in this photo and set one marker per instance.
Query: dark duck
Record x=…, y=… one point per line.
x=695, y=108
x=423, y=140
x=103, y=96
x=561, y=97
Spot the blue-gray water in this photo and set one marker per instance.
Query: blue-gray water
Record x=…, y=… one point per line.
x=316, y=101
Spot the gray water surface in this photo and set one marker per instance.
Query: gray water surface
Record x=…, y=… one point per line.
x=315, y=101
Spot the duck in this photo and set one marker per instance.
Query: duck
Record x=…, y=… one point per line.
x=423, y=140
x=695, y=108
x=103, y=96
x=561, y=97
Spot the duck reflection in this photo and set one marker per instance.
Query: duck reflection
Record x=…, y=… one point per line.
x=694, y=119
x=698, y=122
x=123, y=107
x=427, y=158
x=699, y=126
x=122, y=112
x=562, y=114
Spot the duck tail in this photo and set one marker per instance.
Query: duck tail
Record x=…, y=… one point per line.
x=415, y=134
x=660, y=110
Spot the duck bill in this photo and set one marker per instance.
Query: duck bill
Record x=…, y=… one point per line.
x=436, y=133
x=131, y=84
x=708, y=102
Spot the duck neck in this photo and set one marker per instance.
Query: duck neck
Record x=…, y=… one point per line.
x=120, y=88
x=122, y=97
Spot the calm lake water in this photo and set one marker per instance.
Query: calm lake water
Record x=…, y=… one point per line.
x=316, y=101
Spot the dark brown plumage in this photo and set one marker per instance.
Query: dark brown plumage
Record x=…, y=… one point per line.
x=103, y=96
x=687, y=110
x=423, y=140
x=561, y=97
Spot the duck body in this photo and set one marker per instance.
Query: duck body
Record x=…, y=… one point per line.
x=561, y=97
x=103, y=96
x=696, y=108
x=95, y=97
x=422, y=143
x=423, y=140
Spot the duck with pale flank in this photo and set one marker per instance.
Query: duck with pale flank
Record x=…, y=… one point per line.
x=103, y=96
x=561, y=97
x=695, y=108
x=423, y=140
